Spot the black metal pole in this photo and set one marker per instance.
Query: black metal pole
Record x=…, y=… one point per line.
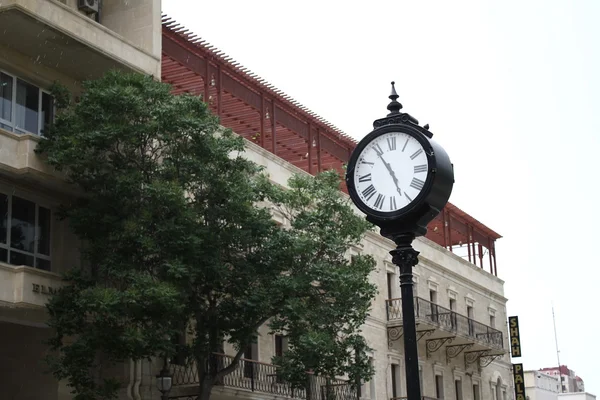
x=405, y=257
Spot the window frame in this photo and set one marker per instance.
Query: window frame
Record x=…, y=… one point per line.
x=7, y=246
x=13, y=112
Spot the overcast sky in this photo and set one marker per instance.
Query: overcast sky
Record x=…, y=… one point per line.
x=511, y=89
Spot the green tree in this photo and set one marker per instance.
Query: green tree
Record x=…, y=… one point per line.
x=176, y=232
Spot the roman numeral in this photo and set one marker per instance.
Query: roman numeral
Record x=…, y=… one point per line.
x=379, y=201
x=369, y=192
x=420, y=168
x=407, y=196
x=417, y=184
x=365, y=178
x=416, y=154
x=405, y=143
x=392, y=142
x=378, y=150
x=366, y=162
x=393, y=203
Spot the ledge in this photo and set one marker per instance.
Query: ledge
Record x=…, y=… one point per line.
x=73, y=44
x=26, y=287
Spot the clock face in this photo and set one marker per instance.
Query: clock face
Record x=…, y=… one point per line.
x=390, y=172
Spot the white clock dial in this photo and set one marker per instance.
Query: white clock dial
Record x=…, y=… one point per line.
x=390, y=172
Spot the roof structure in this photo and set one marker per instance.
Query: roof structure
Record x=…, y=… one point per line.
x=263, y=114
x=564, y=370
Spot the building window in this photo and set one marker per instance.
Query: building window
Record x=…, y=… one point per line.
x=433, y=296
x=281, y=345
x=24, y=108
x=250, y=355
x=24, y=233
x=476, y=395
x=395, y=381
x=498, y=391
x=372, y=386
x=453, y=313
x=439, y=387
x=433, y=304
x=390, y=285
x=471, y=323
x=492, y=321
x=458, y=389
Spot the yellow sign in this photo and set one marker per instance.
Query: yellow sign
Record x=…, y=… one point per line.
x=518, y=375
x=515, y=339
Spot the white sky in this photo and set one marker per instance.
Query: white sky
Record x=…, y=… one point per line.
x=511, y=90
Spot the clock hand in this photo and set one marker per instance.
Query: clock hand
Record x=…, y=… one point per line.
x=391, y=171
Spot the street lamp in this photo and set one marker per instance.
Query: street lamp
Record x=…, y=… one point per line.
x=401, y=180
x=164, y=381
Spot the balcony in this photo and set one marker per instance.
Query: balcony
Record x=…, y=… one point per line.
x=406, y=398
x=443, y=327
x=257, y=377
x=19, y=161
x=59, y=37
x=24, y=292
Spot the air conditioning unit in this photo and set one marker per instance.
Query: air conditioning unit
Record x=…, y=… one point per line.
x=90, y=6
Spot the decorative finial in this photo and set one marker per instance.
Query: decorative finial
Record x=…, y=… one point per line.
x=394, y=105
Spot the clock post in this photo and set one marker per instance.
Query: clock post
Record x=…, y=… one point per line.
x=401, y=179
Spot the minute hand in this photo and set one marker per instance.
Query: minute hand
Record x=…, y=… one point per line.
x=391, y=171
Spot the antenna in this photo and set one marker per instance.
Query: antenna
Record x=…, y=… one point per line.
x=557, y=351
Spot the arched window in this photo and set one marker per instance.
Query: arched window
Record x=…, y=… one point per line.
x=499, y=389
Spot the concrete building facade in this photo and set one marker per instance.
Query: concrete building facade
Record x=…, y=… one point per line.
x=546, y=385
x=541, y=386
x=461, y=308
x=460, y=303
x=576, y=396
x=570, y=382
x=43, y=41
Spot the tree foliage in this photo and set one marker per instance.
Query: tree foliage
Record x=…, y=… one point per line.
x=176, y=231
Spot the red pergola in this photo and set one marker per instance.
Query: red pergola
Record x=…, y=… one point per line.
x=266, y=116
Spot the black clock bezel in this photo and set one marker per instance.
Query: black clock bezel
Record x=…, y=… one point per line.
x=417, y=201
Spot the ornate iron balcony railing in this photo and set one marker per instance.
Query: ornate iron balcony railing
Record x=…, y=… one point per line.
x=405, y=398
x=448, y=320
x=261, y=377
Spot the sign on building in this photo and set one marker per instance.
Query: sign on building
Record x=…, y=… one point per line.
x=519, y=377
x=515, y=339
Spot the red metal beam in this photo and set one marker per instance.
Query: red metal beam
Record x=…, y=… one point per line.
x=273, y=129
x=310, y=149
x=262, y=120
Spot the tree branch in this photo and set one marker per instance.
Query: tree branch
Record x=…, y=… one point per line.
x=236, y=360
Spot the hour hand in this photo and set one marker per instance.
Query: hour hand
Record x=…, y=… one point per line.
x=391, y=171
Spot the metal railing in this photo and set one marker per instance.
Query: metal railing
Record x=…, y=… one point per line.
x=448, y=320
x=261, y=377
x=406, y=398
x=184, y=397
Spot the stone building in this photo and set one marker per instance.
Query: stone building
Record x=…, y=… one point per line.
x=460, y=304
x=42, y=41
x=460, y=307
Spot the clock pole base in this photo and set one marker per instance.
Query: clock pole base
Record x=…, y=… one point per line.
x=405, y=257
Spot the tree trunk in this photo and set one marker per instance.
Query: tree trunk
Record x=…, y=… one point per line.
x=309, y=387
x=206, y=386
